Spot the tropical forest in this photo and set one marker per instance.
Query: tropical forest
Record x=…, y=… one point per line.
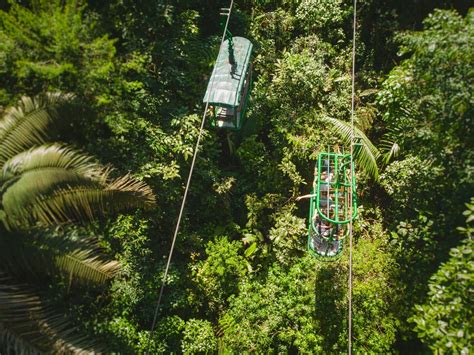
x=236, y=176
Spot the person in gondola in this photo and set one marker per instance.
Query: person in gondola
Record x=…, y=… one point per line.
x=326, y=203
x=327, y=177
x=210, y=111
x=334, y=248
x=325, y=245
x=322, y=245
x=323, y=227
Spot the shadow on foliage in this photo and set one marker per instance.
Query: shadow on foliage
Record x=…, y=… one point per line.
x=327, y=306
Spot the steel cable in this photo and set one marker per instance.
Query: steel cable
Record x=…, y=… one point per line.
x=183, y=203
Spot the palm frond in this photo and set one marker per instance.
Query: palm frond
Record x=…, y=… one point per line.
x=53, y=156
x=86, y=266
x=29, y=325
x=79, y=262
x=130, y=184
x=27, y=189
x=365, y=153
x=389, y=145
x=27, y=124
x=391, y=150
x=10, y=343
x=54, y=184
x=84, y=203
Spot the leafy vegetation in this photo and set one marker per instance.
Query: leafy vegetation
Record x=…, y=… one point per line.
x=444, y=322
x=100, y=105
x=44, y=185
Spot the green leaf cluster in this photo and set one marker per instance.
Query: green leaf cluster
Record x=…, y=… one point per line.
x=444, y=321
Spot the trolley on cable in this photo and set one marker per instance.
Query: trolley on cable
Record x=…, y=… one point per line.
x=333, y=204
x=229, y=86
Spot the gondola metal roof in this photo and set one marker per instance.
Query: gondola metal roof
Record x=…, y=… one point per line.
x=226, y=87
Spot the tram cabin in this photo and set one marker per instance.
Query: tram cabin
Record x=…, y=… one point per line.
x=228, y=88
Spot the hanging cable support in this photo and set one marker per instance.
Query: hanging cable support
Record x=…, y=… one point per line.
x=227, y=12
x=349, y=342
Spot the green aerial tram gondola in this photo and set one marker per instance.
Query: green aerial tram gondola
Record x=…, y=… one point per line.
x=333, y=204
x=229, y=86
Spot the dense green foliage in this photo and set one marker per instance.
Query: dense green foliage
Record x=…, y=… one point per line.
x=52, y=46
x=445, y=320
x=240, y=279
x=43, y=185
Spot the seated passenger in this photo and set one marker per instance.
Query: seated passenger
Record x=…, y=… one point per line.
x=323, y=228
x=324, y=202
x=333, y=248
x=325, y=247
x=327, y=177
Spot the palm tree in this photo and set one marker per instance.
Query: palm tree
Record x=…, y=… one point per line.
x=43, y=185
x=366, y=154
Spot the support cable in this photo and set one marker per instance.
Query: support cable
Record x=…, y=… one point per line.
x=349, y=349
x=183, y=203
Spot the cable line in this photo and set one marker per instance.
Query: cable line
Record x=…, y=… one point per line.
x=349, y=350
x=183, y=203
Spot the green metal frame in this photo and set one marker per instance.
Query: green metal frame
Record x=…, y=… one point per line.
x=313, y=233
x=344, y=187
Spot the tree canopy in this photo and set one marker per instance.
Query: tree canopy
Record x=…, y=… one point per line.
x=100, y=105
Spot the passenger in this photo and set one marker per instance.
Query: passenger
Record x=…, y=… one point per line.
x=211, y=110
x=325, y=247
x=333, y=248
x=316, y=243
x=326, y=177
x=340, y=233
x=325, y=202
x=332, y=211
x=324, y=228
x=319, y=245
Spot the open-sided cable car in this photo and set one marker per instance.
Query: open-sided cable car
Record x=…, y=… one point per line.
x=229, y=86
x=333, y=205
x=335, y=188
x=325, y=239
